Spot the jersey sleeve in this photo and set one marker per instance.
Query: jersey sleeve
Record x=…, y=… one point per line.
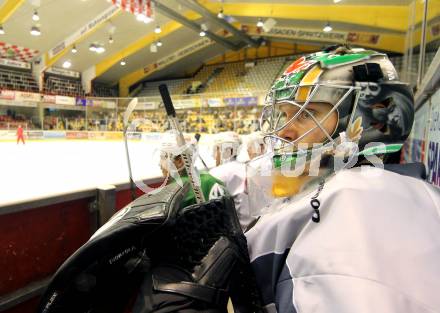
x=212, y=188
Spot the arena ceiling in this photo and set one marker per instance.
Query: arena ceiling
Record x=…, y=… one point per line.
x=380, y=24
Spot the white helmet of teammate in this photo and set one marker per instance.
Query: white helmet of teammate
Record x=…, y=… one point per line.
x=226, y=146
x=170, y=152
x=255, y=145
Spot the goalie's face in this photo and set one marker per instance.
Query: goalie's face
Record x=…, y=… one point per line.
x=167, y=160
x=315, y=124
x=303, y=127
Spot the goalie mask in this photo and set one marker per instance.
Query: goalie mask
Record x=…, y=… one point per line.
x=338, y=103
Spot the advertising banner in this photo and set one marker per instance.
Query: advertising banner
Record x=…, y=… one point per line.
x=114, y=135
x=97, y=135
x=241, y=101
x=215, y=102
x=84, y=102
x=108, y=104
x=49, y=99
x=27, y=96
x=54, y=134
x=186, y=103
x=178, y=55
x=76, y=135
x=148, y=105
x=7, y=135
x=65, y=100
x=63, y=72
x=38, y=134
x=16, y=64
x=134, y=136
x=81, y=102
x=393, y=42
x=7, y=94
x=87, y=28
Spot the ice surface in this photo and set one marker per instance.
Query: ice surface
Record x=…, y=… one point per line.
x=45, y=168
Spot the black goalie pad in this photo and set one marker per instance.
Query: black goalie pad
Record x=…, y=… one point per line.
x=106, y=272
x=102, y=274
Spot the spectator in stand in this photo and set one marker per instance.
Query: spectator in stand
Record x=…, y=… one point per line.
x=20, y=134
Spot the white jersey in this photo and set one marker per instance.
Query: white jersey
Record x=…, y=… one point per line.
x=233, y=175
x=375, y=249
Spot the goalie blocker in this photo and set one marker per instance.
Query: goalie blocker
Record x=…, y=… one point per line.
x=153, y=256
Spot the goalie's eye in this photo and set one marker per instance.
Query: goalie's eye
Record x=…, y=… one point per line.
x=306, y=115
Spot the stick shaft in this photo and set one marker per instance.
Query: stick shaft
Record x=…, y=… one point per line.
x=169, y=107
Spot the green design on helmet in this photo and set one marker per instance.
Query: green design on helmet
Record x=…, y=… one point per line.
x=333, y=60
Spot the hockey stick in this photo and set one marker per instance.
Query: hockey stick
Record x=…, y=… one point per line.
x=127, y=114
x=197, y=137
x=171, y=113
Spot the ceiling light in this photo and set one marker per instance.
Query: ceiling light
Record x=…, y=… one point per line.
x=337, y=1
x=202, y=33
x=140, y=17
x=100, y=49
x=35, y=16
x=220, y=14
x=67, y=64
x=260, y=23
x=35, y=31
x=123, y=63
x=110, y=40
x=2, y=31
x=74, y=50
x=159, y=43
x=327, y=28
x=157, y=30
x=92, y=47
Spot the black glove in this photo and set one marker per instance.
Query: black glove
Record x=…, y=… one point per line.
x=200, y=262
x=206, y=289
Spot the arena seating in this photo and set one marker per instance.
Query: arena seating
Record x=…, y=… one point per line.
x=101, y=90
x=150, y=89
x=262, y=74
x=63, y=86
x=398, y=62
x=226, y=77
x=237, y=77
x=10, y=121
x=17, y=80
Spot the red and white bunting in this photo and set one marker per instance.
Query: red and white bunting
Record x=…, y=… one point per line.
x=135, y=6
